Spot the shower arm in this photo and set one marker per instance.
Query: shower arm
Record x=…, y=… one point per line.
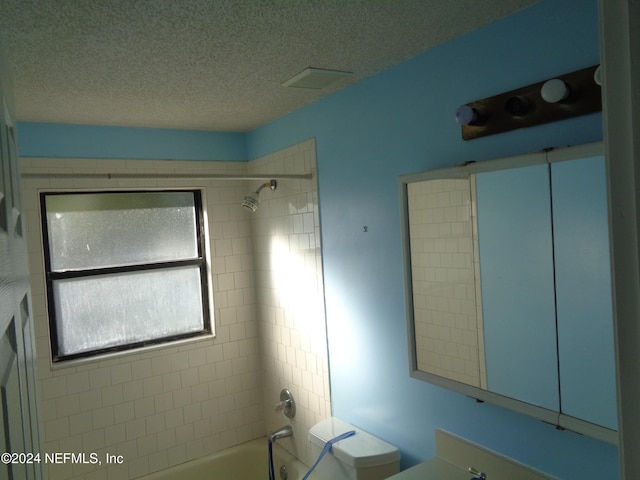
x=272, y=184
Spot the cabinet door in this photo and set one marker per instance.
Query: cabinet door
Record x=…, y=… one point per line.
x=583, y=285
x=18, y=408
x=516, y=271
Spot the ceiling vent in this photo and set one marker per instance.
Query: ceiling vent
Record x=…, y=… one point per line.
x=315, y=78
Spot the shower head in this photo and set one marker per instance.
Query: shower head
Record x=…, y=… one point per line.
x=252, y=200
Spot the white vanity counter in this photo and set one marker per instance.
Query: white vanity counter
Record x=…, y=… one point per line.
x=455, y=455
x=434, y=469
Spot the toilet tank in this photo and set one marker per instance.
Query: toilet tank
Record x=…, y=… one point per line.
x=359, y=457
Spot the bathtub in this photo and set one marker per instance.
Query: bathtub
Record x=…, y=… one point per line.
x=248, y=461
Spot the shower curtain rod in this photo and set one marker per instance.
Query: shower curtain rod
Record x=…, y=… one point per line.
x=220, y=176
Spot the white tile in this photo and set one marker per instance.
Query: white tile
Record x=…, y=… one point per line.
x=163, y=402
x=93, y=440
x=112, y=395
x=132, y=390
x=100, y=377
x=161, y=365
x=79, y=423
x=124, y=412
x=48, y=410
x=117, y=471
x=78, y=382
x=225, y=281
x=214, y=353
x=224, y=247
x=56, y=429
x=174, y=418
x=237, y=332
x=192, y=413
x=239, y=366
x=180, y=361
x=102, y=417
x=147, y=445
x=166, y=439
x=158, y=461
x=197, y=357
x=171, y=381
x=184, y=434
x=138, y=467
x=136, y=429
x=189, y=377
x=141, y=369
x=177, y=454
x=54, y=387
x=230, y=350
x=206, y=373
x=121, y=373
x=201, y=429
x=152, y=385
x=197, y=393
x=65, y=406
x=233, y=263
x=90, y=400
x=144, y=406
x=183, y=396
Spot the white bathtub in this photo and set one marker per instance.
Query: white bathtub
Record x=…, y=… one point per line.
x=248, y=461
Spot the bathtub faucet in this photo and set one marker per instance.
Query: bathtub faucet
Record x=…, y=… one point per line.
x=286, y=431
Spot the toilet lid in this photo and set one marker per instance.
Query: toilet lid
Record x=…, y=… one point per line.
x=359, y=450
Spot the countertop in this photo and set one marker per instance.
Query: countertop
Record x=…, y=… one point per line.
x=434, y=469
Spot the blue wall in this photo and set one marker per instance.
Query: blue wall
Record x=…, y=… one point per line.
x=89, y=141
x=401, y=121
x=397, y=122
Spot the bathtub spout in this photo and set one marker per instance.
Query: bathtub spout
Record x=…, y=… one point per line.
x=286, y=431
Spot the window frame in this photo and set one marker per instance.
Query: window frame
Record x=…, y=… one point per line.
x=202, y=261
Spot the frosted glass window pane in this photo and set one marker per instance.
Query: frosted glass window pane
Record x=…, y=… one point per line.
x=109, y=229
x=109, y=310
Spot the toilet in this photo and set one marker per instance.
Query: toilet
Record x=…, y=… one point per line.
x=359, y=457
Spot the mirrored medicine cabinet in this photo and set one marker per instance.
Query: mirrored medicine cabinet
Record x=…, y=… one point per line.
x=508, y=289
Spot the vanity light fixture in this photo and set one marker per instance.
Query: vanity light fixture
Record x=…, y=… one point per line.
x=565, y=96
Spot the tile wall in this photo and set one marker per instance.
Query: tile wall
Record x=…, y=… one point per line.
x=444, y=263
x=166, y=405
x=291, y=295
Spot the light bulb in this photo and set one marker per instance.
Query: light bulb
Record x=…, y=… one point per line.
x=554, y=91
x=465, y=115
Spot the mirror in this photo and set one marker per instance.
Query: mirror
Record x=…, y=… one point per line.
x=508, y=285
x=447, y=313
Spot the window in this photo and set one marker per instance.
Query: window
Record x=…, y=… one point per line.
x=124, y=270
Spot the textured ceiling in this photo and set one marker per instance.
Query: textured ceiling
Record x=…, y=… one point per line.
x=210, y=64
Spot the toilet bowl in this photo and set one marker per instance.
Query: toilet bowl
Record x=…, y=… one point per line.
x=359, y=457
